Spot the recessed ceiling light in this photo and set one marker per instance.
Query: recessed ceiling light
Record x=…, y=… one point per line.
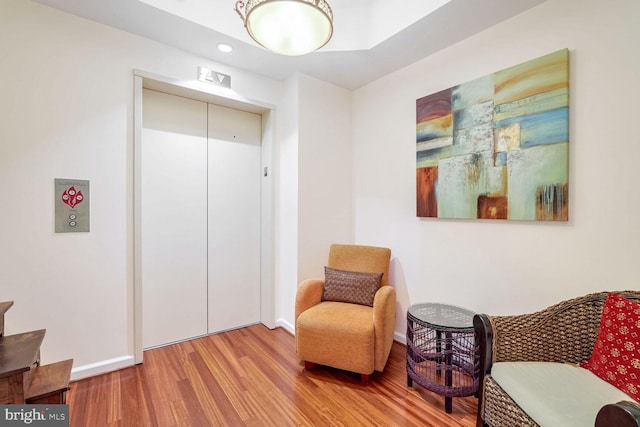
x=226, y=48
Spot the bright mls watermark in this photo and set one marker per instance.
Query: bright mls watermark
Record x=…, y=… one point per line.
x=34, y=415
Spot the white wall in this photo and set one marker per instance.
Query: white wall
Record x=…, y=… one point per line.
x=512, y=267
x=67, y=112
x=325, y=179
x=316, y=173
x=287, y=211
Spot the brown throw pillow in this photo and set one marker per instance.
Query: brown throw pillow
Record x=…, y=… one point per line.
x=350, y=286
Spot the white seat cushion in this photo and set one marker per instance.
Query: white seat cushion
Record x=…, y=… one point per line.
x=556, y=394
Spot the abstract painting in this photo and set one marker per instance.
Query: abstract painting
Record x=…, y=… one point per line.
x=497, y=147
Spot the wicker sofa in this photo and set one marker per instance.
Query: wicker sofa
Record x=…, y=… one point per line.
x=563, y=333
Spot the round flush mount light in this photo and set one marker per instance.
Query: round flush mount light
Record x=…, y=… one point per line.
x=226, y=48
x=288, y=27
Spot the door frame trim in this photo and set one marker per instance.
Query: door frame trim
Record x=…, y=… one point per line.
x=214, y=95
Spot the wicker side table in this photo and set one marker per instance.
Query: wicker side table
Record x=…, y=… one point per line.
x=440, y=339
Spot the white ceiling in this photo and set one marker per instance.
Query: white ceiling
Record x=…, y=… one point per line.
x=371, y=37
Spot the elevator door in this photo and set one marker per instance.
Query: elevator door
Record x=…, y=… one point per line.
x=173, y=218
x=234, y=218
x=200, y=218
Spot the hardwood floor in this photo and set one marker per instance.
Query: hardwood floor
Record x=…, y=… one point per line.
x=252, y=377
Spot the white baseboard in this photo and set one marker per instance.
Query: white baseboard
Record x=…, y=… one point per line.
x=103, y=367
x=282, y=323
x=401, y=338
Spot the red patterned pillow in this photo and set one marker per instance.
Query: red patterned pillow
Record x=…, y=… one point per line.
x=616, y=353
x=350, y=286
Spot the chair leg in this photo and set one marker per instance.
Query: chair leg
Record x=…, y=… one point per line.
x=364, y=378
x=308, y=365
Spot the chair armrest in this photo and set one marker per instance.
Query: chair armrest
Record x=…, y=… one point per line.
x=384, y=322
x=309, y=293
x=621, y=414
x=484, y=340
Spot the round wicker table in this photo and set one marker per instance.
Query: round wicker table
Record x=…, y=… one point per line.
x=441, y=340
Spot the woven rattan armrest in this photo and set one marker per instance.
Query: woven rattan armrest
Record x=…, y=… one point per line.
x=484, y=341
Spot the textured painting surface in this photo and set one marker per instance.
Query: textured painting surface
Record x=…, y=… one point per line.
x=497, y=147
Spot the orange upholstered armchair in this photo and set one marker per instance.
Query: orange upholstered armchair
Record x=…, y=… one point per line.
x=347, y=320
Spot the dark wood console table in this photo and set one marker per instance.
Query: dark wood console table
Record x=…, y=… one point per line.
x=22, y=379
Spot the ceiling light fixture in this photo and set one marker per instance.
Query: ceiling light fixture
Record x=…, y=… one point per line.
x=288, y=27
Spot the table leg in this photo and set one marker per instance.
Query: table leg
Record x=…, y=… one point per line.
x=410, y=356
x=438, y=351
x=448, y=362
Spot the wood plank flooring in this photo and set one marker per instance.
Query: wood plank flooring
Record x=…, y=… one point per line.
x=252, y=377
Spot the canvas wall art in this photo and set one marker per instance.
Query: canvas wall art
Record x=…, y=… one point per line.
x=497, y=147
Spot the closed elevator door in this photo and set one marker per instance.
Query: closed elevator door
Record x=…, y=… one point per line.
x=234, y=218
x=200, y=218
